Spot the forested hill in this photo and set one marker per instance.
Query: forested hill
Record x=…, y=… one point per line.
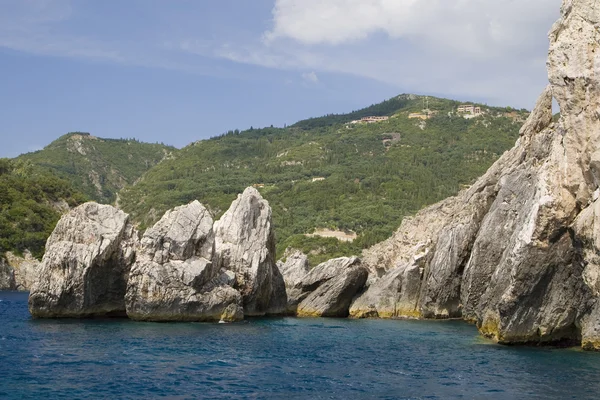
x=31, y=202
x=98, y=167
x=331, y=173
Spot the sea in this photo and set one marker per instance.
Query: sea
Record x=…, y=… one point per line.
x=277, y=358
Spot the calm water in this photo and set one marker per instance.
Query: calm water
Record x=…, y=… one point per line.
x=276, y=358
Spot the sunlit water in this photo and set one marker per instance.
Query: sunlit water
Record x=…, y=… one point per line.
x=276, y=358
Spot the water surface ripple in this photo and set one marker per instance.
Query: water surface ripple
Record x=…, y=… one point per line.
x=276, y=358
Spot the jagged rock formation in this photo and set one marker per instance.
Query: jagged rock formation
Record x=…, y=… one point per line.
x=328, y=289
x=245, y=244
x=86, y=266
x=294, y=268
x=517, y=252
x=182, y=270
x=173, y=278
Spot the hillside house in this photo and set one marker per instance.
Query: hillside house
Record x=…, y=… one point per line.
x=318, y=179
x=469, y=109
x=418, y=116
x=373, y=119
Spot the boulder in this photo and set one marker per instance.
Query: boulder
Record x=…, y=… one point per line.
x=86, y=266
x=517, y=252
x=173, y=278
x=294, y=268
x=328, y=289
x=245, y=244
x=395, y=295
x=333, y=298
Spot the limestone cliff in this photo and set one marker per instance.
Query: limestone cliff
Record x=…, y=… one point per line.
x=173, y=278
x=245, y=244
x=517, y=253
x=86, y=266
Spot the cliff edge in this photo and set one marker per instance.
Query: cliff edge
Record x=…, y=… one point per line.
x=517, y=253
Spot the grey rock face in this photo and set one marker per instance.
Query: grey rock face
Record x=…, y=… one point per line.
x=328, y=289
x=333, y=298
x=173, y=279
x=7, y=276
x=278, y=302
x=395, y=295
x=294, y=268
x=245, y=244
x=517, y=253
x=86, y=266
x=26, y=269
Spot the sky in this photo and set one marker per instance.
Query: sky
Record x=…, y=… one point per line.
x=178, y=71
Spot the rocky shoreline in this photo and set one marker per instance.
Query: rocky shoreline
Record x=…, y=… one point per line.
x=516, y=253
x=185, y=268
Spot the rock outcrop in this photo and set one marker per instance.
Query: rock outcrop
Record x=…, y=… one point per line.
x=173, y=278
x=26, y=269
x=517, y=252
x=294, y=268
x=328, y=290
x=86, y=266
x=18, y=273
x=7, y=276
x=245, y=244
x=184, y=269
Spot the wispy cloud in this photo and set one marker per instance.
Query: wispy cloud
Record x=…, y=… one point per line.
x=310, y=77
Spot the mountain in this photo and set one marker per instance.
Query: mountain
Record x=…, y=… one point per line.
x=32, y=200
x=335, y=173
x=98, y=167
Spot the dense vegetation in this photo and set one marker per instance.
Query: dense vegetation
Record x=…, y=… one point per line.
x=375, y=174
x=31, y=201
x=98, y=167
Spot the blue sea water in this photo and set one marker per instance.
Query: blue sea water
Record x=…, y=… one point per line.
x=276, y=359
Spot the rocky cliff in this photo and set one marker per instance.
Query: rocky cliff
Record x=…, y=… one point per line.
x=517, y=252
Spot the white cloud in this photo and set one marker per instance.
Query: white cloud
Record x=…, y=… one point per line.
x=481, y=27
x=310, y=77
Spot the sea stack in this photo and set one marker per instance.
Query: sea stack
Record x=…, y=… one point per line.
x=85, y=269
x=245, y=244
x=174, y=279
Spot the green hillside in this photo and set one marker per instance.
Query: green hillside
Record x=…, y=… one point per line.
x=98, y=167
x=374, y=174
x=31, y=202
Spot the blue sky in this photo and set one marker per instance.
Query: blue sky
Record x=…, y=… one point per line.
x=177, y=71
